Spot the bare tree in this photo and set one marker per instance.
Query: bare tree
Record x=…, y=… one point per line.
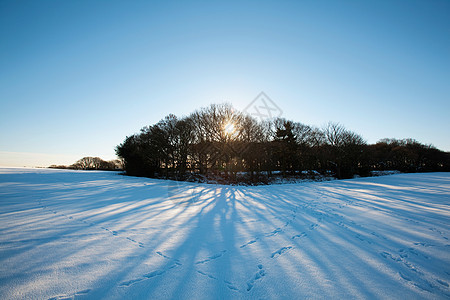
x=344, y=149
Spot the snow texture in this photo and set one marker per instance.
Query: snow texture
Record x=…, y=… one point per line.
x=100, y=235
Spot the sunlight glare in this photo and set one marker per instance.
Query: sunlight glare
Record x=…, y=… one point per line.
x=229, y=129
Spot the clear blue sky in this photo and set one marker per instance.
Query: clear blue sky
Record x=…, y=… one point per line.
x=76, y=77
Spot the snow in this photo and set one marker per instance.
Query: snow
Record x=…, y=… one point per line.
x=100, y=235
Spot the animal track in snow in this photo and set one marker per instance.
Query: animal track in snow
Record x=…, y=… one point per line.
x=274, y=232
x=386, y=255
x=160, y=272
x=115, y=233
x=280, y=251
x=258, y=276
x=313, y=226
x=249, y=243
x=130, y=282
x=424, y=244
x=378, y=235
x=299, y=235
x=213, y=257
x=136, y=242
x=169, y=258
x=354, y=227
x=70, y=296
x=162, y=255
x=404, y=253
x=426, y=286
x=440, y=233
x=442, y=282
x=342, y=224
x=417, y=279
x=362, y=239
x=208, y=275
x=150, y=275
x=270, y=234
x=404, y=276
x=112, y=232
x=228, y=284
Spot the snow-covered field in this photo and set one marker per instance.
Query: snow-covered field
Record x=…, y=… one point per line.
x=99, y=235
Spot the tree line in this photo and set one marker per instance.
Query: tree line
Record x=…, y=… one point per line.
x=92, y=163
x=222, y=143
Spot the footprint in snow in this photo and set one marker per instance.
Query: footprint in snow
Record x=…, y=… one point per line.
x=168, y=257
x=442, y=282
x=313, y=226
x=425, y=286
x=362, y=239
x=136, y=242
x=70, y=296
x=213, y=257
x=342, y=224
x=404, y=253
x=149, y=275
x=280, y=251
x=424, y=244
x=299, y=235
x=208, y=275
x=231, y=286
x=440, y=233
x=115, y=233
x=227, y=283
x=249, y=243
x=258, y=276
x=275, y=232
x=404, y=276
x=130, y=282
x=377, y=235
x=401, y=259
x=387, y=255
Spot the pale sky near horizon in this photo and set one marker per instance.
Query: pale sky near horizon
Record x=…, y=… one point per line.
x=76, y=77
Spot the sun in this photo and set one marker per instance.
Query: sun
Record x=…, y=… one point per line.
x=229, y=129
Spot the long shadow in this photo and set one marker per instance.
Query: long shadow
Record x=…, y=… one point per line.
x=160, y=239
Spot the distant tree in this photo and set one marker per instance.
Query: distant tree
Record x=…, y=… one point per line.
x=138, y=155
x=407, y=155
x=58, y=167
x=184, y=138
x=343, y=149
x=90, y=163
x=285, y=143
x=115, y=164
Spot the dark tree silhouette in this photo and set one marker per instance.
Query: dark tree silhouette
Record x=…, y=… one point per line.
x=93, y=163
x=221, y=143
